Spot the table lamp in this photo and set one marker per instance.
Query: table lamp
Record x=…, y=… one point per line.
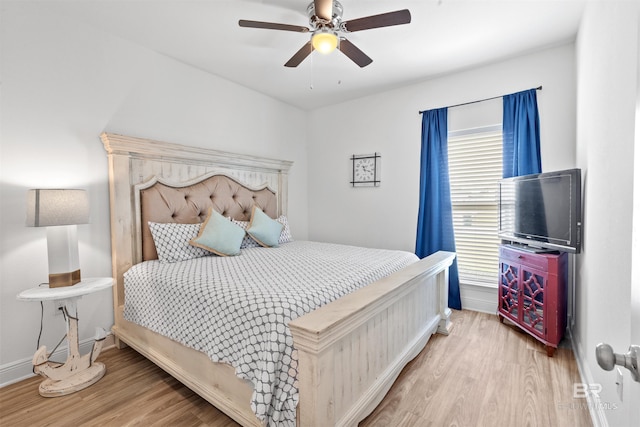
x=59, y=211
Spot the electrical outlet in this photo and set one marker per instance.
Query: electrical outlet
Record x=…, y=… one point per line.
x=59, y=306
x=619, y=383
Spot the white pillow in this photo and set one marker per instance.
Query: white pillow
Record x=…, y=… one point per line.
x=285, y=235
x=247, y=241
x=172, y=241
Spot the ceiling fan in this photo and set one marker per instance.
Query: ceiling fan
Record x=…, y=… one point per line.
x=325, y=19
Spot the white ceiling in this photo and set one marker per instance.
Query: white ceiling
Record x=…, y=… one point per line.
x=444, y=36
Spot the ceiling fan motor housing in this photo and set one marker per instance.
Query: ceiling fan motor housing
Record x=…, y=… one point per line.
x=335, y=23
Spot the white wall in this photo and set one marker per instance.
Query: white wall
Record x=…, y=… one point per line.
x=62, y=85
x=607, y=67
x=390, y=124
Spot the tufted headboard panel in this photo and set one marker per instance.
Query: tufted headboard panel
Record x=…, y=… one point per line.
x=190, y=204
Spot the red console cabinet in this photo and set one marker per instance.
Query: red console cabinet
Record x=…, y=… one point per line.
x=532, y=293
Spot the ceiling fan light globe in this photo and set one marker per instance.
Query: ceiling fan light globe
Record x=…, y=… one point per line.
x=324, y=42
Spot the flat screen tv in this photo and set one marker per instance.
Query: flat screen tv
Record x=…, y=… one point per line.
x=542, y=211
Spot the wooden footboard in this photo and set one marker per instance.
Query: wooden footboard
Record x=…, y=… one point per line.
x=351, y=351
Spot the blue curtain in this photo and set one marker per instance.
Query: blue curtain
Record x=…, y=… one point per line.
x=435, y=220
x=520, y=134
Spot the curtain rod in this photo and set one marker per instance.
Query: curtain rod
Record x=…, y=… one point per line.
x=473, y=102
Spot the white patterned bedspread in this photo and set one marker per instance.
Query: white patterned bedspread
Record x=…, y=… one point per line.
x=237, y=309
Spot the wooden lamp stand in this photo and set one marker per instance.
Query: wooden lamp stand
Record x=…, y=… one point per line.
x=77, y=372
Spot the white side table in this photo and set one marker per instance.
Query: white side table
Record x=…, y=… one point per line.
x=78, y=372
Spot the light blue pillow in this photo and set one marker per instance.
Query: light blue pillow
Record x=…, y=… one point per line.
x=219, y=235
x=263, y=229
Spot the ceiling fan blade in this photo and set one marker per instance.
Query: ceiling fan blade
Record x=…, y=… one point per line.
x=272, y=26
x=354, y=54
x=300, y=55
x=389, y=19
x=324, y=9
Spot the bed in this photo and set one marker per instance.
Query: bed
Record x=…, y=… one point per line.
x=349, y=351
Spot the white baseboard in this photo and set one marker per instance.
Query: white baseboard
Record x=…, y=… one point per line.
x=479, y=298
x=22, y=369
x=596, y=408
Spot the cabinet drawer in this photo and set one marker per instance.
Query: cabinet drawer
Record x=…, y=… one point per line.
x=537, y=261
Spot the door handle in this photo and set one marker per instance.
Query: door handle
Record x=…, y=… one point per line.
x=607, y=359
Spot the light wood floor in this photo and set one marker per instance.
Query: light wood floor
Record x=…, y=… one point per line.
x=484, y=374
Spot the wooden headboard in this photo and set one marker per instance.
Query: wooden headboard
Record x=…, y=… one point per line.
x=137, y=165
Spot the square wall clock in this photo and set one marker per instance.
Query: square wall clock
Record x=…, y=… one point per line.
x=365, y=170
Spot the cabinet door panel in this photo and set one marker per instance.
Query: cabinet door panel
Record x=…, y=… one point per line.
x=533, y=300
x=509, y=290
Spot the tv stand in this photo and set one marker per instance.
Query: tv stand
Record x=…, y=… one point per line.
x=532, y=293
x=531, y=249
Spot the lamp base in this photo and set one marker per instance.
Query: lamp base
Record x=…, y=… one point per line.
x=75, y=382
x=59, y=280
x=62, y=251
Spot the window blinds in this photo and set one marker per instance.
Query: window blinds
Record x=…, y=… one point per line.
x=475, y=166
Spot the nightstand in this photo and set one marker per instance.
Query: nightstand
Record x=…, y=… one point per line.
x=78, y=372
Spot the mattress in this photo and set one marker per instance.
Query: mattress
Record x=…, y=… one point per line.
x=237, y=309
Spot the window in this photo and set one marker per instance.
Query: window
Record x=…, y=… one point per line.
x=475, y=166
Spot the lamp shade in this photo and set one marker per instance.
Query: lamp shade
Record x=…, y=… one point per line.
x=50, y=207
